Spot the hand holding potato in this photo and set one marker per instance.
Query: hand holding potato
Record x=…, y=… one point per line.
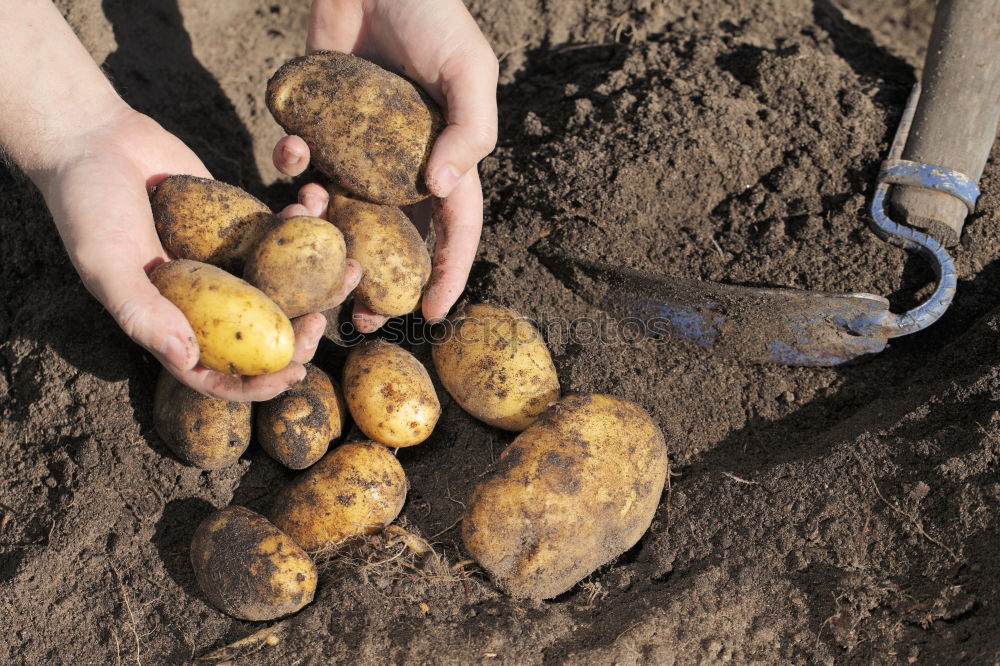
x=438, y=46
x=94, y=166
x=102, y=210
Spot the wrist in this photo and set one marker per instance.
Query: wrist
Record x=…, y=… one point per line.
x=67, y=140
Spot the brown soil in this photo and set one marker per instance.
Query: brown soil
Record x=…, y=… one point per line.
x=815, y=515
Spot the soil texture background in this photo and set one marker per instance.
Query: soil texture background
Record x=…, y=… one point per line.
x=844, y=515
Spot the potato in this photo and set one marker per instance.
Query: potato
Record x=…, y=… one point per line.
x=296, y=427
x=299, y=264
x=394, y=259
x=389, y=394
x=356, y=489
x=239, y=329
x=248, y=568
x=572, y=492
x=368, y=130
x=201, y=431
x=495, y=364
x=209, y=221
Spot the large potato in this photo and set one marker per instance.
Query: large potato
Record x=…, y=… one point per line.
x=299, y=264
x=248, y=568
x=389, y=394
x=356, y=489
x=201, y=431
x=495, y=364
x=296, y=427
x=207, y=220
x=239, y=329
x=394, y=260
x=573, y=491
x=368, y=130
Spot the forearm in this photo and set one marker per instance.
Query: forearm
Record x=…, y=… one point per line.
x=51, y=90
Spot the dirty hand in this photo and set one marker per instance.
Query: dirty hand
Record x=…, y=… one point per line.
x=98, y=198
x=438, y=45
x=93, y=158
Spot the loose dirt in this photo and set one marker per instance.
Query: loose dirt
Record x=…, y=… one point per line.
x=814, y=515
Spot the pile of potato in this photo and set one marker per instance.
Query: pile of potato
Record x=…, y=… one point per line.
x=577, y=487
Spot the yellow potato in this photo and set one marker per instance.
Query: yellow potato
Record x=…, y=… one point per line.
x=572, y=492
x=389, y=394
x=296, y=427
x=201, y=431
x=394, y=259
x=207, y=220
x=248, y=568
x=299, y=264
x=239, y=329
x=356, y=489
x=368, y=130
x=495, y=364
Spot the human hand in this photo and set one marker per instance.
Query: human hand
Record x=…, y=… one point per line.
x=438, y=45
x=98, y=196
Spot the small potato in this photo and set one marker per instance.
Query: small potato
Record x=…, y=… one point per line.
x=296, y=427
x=209, y=221
x=201, y=431
x=389, y=394
x=299, y=264
x=572, y=492
x=248, y=568
x=239, y=329
x=356, y=489
x=368, y=130
x=394, y=258
x=495, y=364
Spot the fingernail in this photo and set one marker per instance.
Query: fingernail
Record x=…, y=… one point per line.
x=444, y=181
x=312, y=200
x=290, y=155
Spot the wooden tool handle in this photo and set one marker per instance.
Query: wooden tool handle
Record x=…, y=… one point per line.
x=957, y=115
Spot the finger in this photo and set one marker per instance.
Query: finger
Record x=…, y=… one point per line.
x=458, y=223
x=114, y=275
x=291, y=155
x=367, y=321
x=308, y=330
x=315, y=199
x=469, y=86
x=335, y=25
x=352, y=276
x=238, y=388
x=293, y=210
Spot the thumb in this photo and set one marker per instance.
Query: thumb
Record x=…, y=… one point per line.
x=139, y=309
x=469, y=86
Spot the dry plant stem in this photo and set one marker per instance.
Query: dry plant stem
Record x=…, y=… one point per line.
x=131, y=615
x=916, y=523
x=740, y=479
x=266, y=637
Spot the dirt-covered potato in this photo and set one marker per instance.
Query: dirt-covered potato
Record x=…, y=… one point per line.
x=356, y=489
x=495, y=364
x=299, y=264
x=575, y=490
x=296, y=427
x=207, y=220
x=248, y=568
x=201, y=431
x=368, y=130
x=394, y=259
x=239, y=329
x=389, y=394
